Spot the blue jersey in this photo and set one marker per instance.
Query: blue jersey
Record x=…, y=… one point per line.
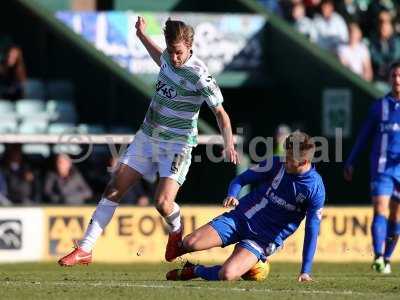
x=276, y=207
x=383, y=125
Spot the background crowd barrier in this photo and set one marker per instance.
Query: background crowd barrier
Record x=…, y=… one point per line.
x=139, y=235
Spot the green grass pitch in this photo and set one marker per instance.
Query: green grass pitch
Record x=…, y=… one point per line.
x=147, y=281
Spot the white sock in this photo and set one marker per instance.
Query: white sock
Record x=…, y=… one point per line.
x=174, y=219
x=100, y=218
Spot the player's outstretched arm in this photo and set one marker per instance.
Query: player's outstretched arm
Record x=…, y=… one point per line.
x=309, y=247
x=313, y=221
x=362, y=139
x=153, y=49
x=258, y=174
x=224, y=124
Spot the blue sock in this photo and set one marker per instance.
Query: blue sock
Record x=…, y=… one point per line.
x=207, y=273
x=393, y=232
x=378, y=229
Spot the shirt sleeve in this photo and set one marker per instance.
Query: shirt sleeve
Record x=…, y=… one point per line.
x=164, y=57
x=208, y=88
x=313, y=220
x=365, y=53
x=257, y=174
x=366, y=130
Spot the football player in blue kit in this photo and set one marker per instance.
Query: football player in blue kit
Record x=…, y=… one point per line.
x=285, y=193
x=383, y=126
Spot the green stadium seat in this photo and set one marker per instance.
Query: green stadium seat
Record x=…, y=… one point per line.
x=30, y=126
x=121, y=130
x=8, y=125
x=60, y=89
x=32, y=109
x=97, y=150
x=7, y=110
x=61, y=111
x=34, y=89
x=64, y=128
x=67, y=128
x=90, y=129
x=34, y=127
x=6, y=107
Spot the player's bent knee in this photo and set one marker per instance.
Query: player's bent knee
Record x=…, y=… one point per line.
x=163, y=204
x=228, y=274
x=189, y=242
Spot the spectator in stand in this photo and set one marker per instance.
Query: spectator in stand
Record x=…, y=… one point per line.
x=3, y=191
x=331, y=27
x=312, y=7
x=23, y=186
x=12, y=69
x=302, y=23
x=355, y=55
x=65, y=185
x=350, y=10
x=384, y=46
x=374, y=9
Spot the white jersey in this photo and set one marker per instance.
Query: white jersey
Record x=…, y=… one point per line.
x=175, y=106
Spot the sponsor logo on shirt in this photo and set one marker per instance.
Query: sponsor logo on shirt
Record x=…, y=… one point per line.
x=165, y=90
x=275, y=199
x=300, y=198
x=390, y=127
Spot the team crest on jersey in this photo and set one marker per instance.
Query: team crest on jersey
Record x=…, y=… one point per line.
x=300, y=198
x=165, y=90
x=182, y=82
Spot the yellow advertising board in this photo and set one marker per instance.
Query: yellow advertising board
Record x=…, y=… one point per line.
x=135, y=234
x=138, y=234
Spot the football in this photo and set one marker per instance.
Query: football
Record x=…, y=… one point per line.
x=258, y=272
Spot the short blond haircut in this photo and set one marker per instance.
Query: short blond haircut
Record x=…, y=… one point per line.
x=300, y=145
x=177, y=31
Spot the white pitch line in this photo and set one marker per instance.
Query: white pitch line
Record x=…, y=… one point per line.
x=153, y=286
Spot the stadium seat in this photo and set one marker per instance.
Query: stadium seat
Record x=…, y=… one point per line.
x=32, y=109
x=60, y=89
x=121, y=130
x=64, y=128
x=8, y=125
x=34, y=127
x=97, y=150
x=90, y=129
x=34, y=89
x=7, y=110
x=6, y=107
x=61, y=111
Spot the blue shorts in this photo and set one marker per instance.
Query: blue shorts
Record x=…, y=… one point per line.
x=385, y=185
x=232, y=229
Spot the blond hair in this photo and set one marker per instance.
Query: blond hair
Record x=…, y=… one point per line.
x=177, y=31
x=300, y=145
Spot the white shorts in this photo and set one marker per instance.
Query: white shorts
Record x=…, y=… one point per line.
x=149, y=157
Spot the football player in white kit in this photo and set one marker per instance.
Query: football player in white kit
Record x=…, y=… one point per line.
x=165, y=140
